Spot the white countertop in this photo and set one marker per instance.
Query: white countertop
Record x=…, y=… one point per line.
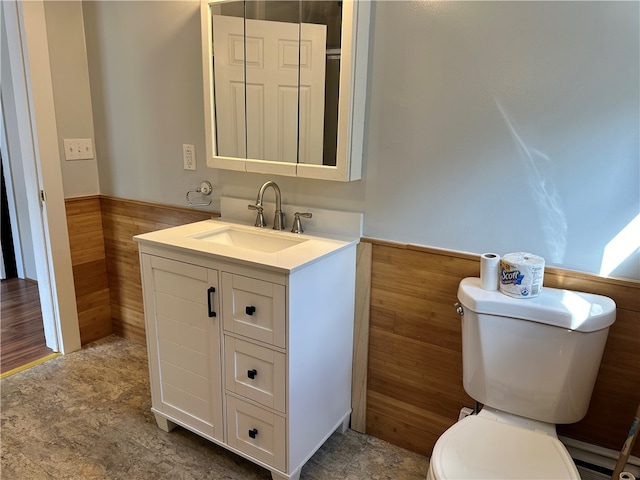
x=304, y=248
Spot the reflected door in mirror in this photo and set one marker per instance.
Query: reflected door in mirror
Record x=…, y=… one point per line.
x=269, y=89
x=228, y=38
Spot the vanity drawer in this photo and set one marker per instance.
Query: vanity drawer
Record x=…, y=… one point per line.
x=255, y=372
x=256, y=432
x=254, y=308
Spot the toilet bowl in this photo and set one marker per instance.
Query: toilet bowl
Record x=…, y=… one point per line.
x=493, y=446
x=532, y=363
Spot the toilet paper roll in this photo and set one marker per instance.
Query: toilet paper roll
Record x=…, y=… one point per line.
x=521, y=274
x=627, y=476
x=489, y=267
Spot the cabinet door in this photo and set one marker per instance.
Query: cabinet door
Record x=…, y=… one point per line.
x=183, y=339
x=254, y=308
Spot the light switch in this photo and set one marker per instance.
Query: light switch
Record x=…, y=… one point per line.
x=78, y=148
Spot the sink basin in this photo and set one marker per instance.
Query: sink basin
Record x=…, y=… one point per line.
x=278, y=251
x=258, y=240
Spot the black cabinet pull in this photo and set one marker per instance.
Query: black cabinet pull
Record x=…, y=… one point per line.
x=252, y=373
x=250, y=310
x=253, y=432
x=210, y=290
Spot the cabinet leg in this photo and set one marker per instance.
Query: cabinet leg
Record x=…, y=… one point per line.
x=278, y=476
x=164, y=424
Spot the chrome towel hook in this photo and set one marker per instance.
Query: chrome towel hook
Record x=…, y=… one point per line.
x=205, y=188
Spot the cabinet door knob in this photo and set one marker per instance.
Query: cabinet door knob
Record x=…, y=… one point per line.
x=253, y=432
x=210, y=290
x=250, y=310
x=252, y=373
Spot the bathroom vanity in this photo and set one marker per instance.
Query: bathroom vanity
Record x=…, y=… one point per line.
x=250, y=335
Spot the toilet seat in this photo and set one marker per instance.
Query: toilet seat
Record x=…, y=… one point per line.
x=482, y=448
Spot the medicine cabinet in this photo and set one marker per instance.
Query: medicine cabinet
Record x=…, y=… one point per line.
x=285, y=86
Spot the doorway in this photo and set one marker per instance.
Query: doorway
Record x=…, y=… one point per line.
x=22, y=339
x=30, y=148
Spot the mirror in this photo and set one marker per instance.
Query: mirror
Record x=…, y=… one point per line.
x=279, y=85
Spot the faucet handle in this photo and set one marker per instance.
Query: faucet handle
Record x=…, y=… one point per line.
x=297, y=223
x=260, y=216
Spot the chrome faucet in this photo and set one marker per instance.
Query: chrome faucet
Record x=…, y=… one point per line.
x=278, y=221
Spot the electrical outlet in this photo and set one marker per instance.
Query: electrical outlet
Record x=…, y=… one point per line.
x=189, y=156
x=78, y=149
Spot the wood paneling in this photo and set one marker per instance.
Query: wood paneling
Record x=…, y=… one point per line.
x=414, y=389
x=121, y=220
x=361, y=338
x=88, y=259
x=414, y=376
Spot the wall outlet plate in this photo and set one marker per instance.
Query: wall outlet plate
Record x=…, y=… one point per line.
x=78, y=149
x=189, y=156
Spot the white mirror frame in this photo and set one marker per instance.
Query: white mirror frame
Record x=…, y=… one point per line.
x=351, y=104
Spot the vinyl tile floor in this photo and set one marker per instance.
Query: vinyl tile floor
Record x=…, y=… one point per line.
x=87, y=416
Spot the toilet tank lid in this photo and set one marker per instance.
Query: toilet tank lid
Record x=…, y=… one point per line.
x=582, y=312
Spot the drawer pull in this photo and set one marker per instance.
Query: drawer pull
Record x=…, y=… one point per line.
x=250, y=310
x=252, y=373
x=210, y=290
x=253, y=432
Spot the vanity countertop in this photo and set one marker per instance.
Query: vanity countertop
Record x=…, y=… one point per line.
x=279, y=251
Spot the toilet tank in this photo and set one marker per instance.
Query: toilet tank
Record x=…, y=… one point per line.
x=536, y=357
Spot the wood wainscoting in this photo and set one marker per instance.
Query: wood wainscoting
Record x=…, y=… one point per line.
x=106, y=268
x=414, y=384
x=121, y=220
x=89, y=262
x=413, y=390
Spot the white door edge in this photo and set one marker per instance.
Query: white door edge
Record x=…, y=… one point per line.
x=29, y=56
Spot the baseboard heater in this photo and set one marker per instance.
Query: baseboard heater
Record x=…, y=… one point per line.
x=598, y=459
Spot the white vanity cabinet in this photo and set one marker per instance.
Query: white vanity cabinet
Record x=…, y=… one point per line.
x=252, y=357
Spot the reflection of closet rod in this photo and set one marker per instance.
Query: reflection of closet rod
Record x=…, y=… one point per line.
x=333, y=54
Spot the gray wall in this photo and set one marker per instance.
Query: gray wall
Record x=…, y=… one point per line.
x=491, y=126
x=72, y=96
x=506, y=126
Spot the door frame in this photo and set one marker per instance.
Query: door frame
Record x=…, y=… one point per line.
x=37, y=141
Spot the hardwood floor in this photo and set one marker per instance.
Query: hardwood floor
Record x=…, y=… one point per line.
x=21, y=333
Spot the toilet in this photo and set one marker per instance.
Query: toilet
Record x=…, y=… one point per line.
x=532, y=363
